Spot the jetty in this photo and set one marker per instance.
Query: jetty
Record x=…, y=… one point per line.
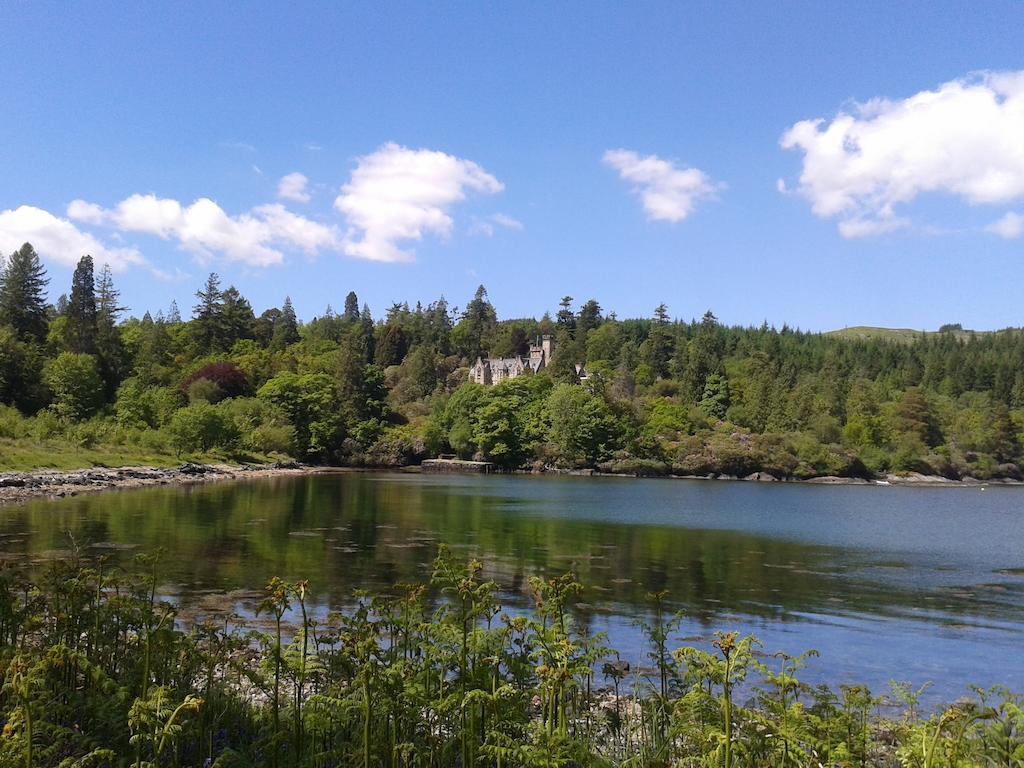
x=447, y=464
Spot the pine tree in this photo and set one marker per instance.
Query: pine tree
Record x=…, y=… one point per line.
x=235, y=319
x=81, y=330
x=659, y=343
x=109, y=347
x=351, y=307
x=481, y=319
x=565, y=317
x=589, y=317
x=173, y=314
x=22, y=305
x=207, y=314
x=286, y=327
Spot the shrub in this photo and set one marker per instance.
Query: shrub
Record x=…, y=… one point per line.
x=202, y=427
x=12, y=424
x=228, y=377
x=204, y=391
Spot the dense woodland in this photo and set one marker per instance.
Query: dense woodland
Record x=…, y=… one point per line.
x=662, y=396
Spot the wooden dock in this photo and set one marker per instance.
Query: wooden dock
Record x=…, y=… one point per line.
x=457, y=465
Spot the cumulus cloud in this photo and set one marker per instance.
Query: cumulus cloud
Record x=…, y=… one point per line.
x=962, y=139
x=668, y=193
x=58, y=239
x=398, y=194
x=293, y=187
x=204, y=229
x=1009, y=227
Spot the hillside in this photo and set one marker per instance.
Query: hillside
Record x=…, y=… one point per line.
x=903, y=335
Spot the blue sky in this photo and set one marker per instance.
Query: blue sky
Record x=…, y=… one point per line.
x=629, y=152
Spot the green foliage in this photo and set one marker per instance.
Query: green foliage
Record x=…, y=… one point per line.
x=311, y=404
x=582, y=429
x=202, y=427
x=22, y=304
x=75, y=382
x=96, y=671
x=660, y=396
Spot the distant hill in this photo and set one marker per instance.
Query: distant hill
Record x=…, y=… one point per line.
x=902, y=335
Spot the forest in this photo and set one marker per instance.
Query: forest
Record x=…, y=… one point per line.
x=82, y=376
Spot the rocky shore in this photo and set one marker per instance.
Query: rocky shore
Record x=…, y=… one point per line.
x=16, y=487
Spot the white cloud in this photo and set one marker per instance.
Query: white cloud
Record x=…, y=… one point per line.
x=397, y=194
x=58, y=239
x=503, y=220
x=485, y=227
x=1009, y=227
x=868, y=227
x=668, y=193
x=963, y=139
x=293, y=187
x=203, y=228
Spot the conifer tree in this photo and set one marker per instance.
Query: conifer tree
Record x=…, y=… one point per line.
x=286, y=327
x=481, y=320
x=22, y=304
x=111, y=351
x=80, y=330
x=207, y=313
x=235, y=320
x=351, y=307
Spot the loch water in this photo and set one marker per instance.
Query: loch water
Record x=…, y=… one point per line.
x=887, y=583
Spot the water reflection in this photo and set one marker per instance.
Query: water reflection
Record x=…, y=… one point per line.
x=885, y=582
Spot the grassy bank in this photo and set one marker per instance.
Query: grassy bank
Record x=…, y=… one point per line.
x=98, y=672
x=28, y=455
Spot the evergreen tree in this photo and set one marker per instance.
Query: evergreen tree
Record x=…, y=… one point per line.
x=480, y=319
x=286, y=328
x=22, y=304
x=589, y=317
x=562, y=367
x=659, y=344
x=113, y=359
x=715, y=401
x=351, y=307
x=81, y=330
x=235, y=319
x=173, y=314
x=206, y=314
x=565, y=317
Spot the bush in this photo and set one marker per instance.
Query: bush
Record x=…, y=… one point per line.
x=140, y=406
x=12, y=424
x=202, y=427
x=46, y=425
x=230, y=380
x=204, y=391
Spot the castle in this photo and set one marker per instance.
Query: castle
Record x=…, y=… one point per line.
x=494, y=370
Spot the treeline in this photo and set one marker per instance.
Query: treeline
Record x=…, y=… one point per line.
x=660, y=396
x=98, y=672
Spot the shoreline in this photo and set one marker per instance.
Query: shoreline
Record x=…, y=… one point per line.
x=17, y=487
x=33, y=485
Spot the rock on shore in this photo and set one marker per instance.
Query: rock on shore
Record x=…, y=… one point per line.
x=21, y=486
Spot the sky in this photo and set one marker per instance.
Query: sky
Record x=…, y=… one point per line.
x=816, y=164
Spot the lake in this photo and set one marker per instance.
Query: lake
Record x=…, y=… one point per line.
x=912, y=584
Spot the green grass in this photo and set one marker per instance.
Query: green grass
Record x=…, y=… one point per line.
x=22, y=455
